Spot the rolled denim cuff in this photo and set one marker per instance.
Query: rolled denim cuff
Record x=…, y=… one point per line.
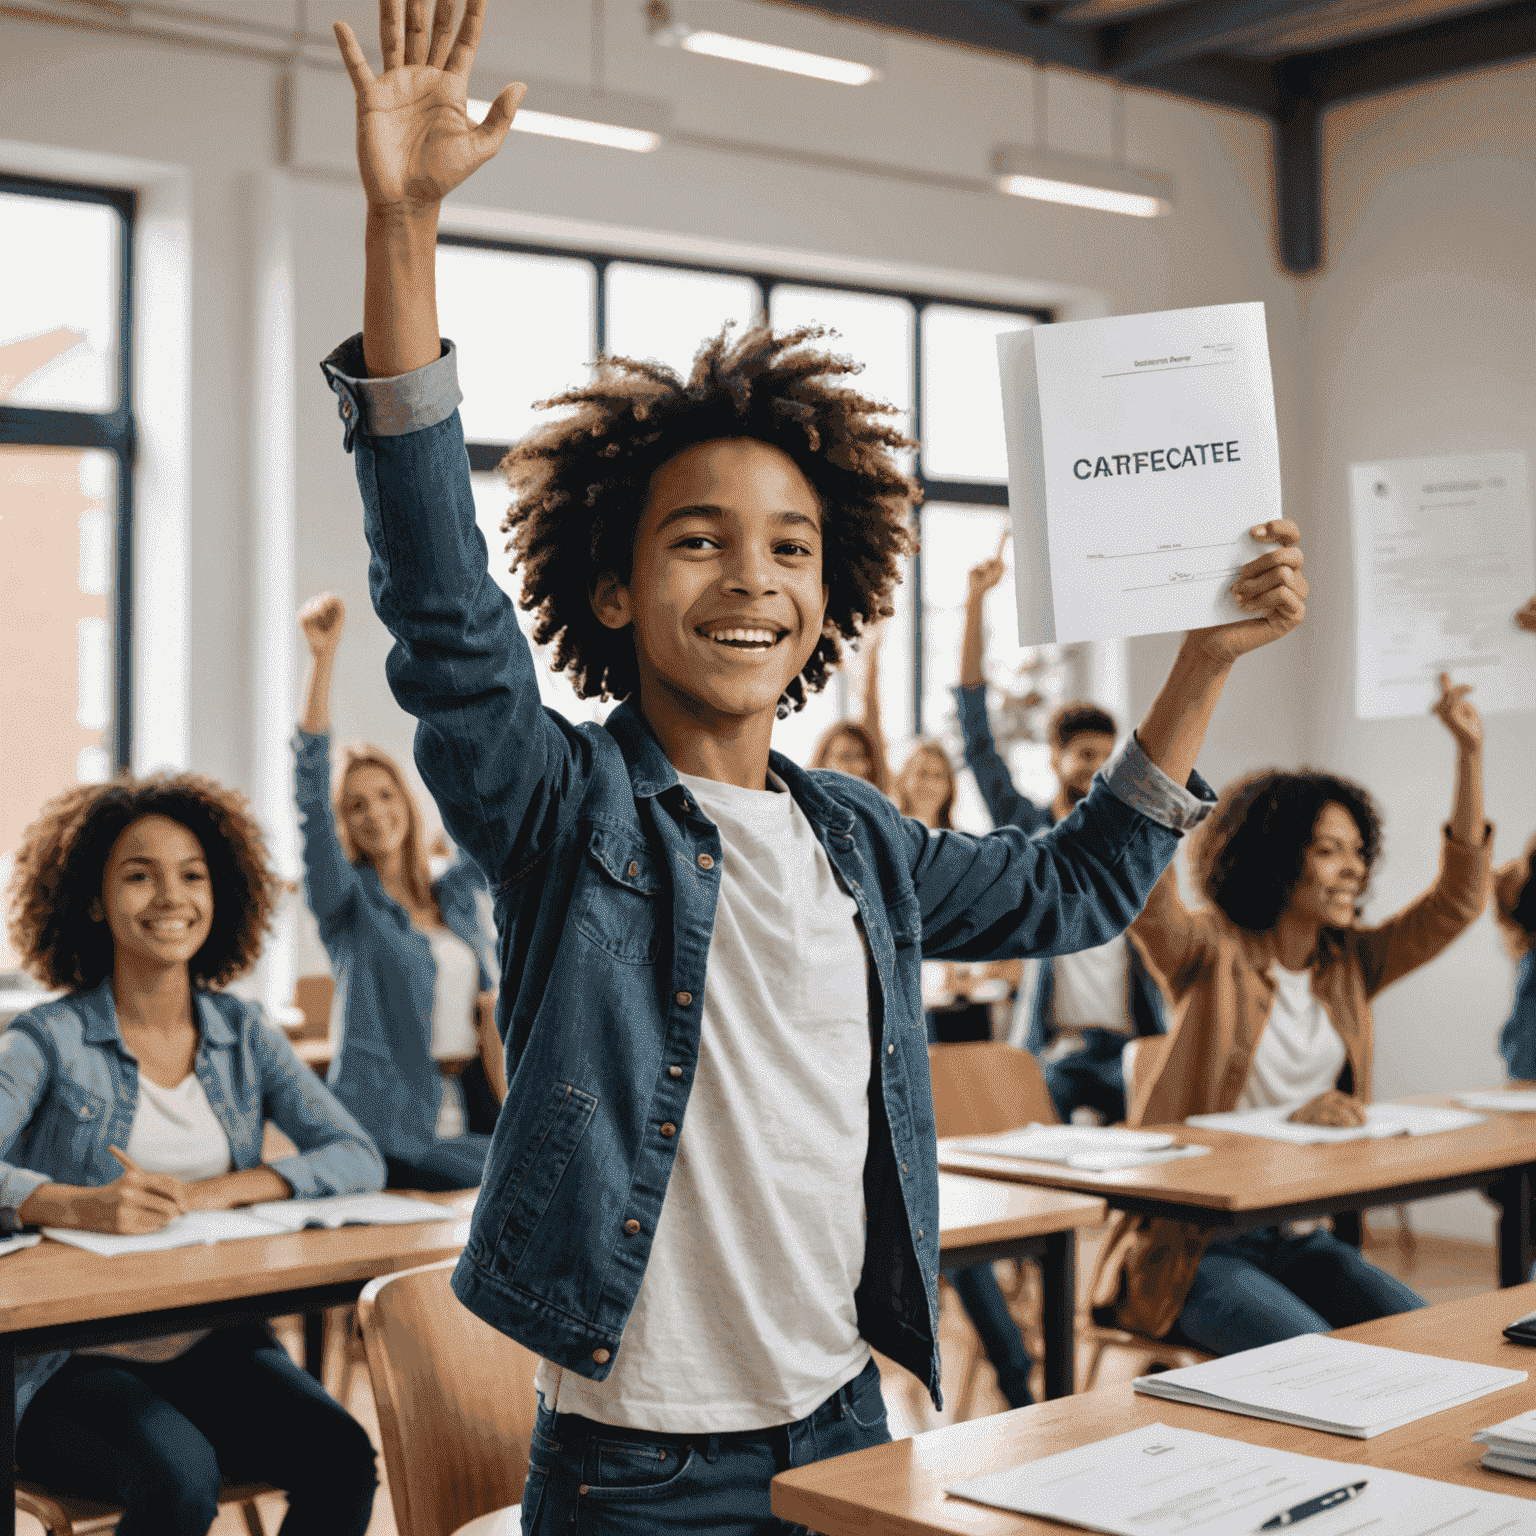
x=971, y=707
x=409, y=402
x=17, y=1184
x=1134, y=778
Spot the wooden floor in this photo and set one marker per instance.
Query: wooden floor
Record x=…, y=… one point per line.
x=1437, y=1268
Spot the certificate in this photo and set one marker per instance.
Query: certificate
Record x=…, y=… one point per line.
x=1443, y=558
x=1141, y=451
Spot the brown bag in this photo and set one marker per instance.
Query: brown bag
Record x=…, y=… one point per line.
x=1145, y=1270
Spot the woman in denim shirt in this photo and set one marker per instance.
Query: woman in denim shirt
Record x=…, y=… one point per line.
x=413, y=992
x=139, y=1095
x=1514, y=905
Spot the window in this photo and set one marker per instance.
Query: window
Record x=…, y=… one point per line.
x=66, y=464
x=528, y=320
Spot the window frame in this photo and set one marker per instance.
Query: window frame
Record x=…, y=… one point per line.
x=114, y=432
x=485, y=456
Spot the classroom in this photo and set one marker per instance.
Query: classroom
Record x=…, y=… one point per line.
x=922, y=912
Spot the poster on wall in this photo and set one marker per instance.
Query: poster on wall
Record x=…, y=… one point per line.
x=1141, y=451
x=1443, y=558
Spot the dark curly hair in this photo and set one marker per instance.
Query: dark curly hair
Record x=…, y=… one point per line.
x=1076, y=718
x=1252, y=850
x=581, y=483
x=63, y=859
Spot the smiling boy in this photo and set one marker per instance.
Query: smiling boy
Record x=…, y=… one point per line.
x=713, y=1185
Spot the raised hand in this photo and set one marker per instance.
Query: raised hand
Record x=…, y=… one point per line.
x=980, y=579
x=1525, y=617
x=1271, y=587
x=1459, y=714
x=415, y=141
x=322, y=619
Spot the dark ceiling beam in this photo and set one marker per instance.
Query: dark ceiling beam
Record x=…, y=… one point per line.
x=1246, y=84
x=1135, y=47
x=1500, y=35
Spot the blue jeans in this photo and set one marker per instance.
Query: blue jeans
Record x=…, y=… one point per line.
x=586, y=1478
x=160, y=1438
x=458, y=1163
x=1091, y=1078
x=982, y=1298
x=1263, y=1286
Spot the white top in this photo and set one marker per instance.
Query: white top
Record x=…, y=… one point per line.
x=745, y=1317
x=1092, y=988
x=1300, y=1054
x=453, y=996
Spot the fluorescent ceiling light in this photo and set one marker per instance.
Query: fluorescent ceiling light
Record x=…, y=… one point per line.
x=1052, y=177
x=610, y=119
x=793, y=61
x=799, y=45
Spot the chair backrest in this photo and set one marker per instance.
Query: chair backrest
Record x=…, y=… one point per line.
x=455, y=1401
x=1143, y=1060
x=983, y=1086
x=312, y=997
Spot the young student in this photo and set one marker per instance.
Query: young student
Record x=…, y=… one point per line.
x=418, y=1048
x=713, y=1185
x=139, y=1095
x=1514, y=904
x=857, y=747
x=1081, y=1008
x=1277, y=977
x=925, y=787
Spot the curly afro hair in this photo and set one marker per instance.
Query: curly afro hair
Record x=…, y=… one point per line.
x=1075, y=718
x=1253, y=849
x=63, y=859
x=580, y=485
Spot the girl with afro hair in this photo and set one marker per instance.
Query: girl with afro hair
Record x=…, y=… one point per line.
x=713, y=1186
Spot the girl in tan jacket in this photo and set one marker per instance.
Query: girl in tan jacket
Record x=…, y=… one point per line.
x=1275, y=980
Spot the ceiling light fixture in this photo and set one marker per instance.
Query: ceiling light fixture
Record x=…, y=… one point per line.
x=773, y=48
x=606, y=118
x=1052, y=177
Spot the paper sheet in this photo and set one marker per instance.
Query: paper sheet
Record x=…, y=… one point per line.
x=1381, y=1120
x=1443, y=558
x=189, y=1231
x=1141, y=450
x=342, y=1210
x=20, y=1241
x=1516, y=1102
x=1336, y=1385
x=1159, y=1481
x=1092, y=1148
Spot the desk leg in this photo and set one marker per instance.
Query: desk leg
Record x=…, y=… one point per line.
x=314, y=1345
x=8, y=1437
x=1512, y=1194
x=1058, y=1310
x=1349, y=1227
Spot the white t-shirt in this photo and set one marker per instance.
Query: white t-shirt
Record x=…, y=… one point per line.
x=1300, y=1054
x=1091, y=989
x=745, y=1317
x=453, y=996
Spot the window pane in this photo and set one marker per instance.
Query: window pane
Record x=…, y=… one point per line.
x=668, y=313
x=59, y=296
x=523, y=326
x=962, y=403
x=56, y=687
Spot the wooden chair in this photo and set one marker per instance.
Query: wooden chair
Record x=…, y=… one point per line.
x=61, y=1516
x=312, y=997
x=455, y=1401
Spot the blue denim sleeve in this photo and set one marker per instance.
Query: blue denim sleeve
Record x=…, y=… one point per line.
x=499, y=765
x=1006, y=806
x=24, y=1072
x=1517, y=1040
x=330, y=881
x=336, y=1155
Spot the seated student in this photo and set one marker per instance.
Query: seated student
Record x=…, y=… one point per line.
x=139, y=1095
x=713, y=1186
x=1276, y=978
x=1082, y=1008
x=419, y=1061
x=1514, y=904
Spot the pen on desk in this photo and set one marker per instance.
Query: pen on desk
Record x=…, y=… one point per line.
x=1298, y=1512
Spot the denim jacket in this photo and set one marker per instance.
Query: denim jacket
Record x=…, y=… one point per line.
x=606, y=876
x=1517, y=1039
x=69, y=1089
x=385, y=974
x=1008, y=806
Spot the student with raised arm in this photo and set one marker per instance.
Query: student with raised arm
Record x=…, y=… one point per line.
x=1074, y=1012
x=713, y=1186
x=1514, y=905
x=858, y=746
x=139, y=1095
x=409, y=953
x=1276, y=979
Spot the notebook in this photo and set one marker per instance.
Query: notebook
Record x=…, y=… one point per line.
x=1381, y=1120
x=1093, y=1148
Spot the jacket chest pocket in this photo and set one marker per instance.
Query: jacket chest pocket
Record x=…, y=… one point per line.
x=76, y=1124
x=618, y=898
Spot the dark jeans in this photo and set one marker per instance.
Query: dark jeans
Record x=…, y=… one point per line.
x=455, y=1164
x=1261, y=1287
x=1090, y=1078
x=982, y=1298
x=480, y=1103
x=587, y=1478
x=160, y=1438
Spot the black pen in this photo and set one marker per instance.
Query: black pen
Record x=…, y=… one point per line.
x=1315, y=1506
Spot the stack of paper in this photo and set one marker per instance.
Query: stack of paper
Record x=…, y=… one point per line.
x=1093, y=1148
x=1381, y=1120
x=1511, y=1445
x=1514, y=1101
x=1158, y=1481
x=1331, y=1384
x=347, y=1210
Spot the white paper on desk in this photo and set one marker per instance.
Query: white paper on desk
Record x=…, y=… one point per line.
x=1381, y=1120
x=1516, y=1436
x=1443, y=558
x=1336, y=1385
x=347, y=1210
x=1141, y=450
x=20, y=1241
x=1091, y=1148
x=189, y=1231
x=1519, y=1101
x=1160, y=1481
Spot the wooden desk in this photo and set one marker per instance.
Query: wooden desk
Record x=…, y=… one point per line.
x=56, y=1297
x=1248, y=1182
x=984, y=1219
x=897, y=1489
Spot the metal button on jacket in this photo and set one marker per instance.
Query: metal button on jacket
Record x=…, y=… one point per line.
x=705, y=862
x=674, y=1071
x=601, y=1356
x=631, y=1226
x=669, y=1129
x=684, y=998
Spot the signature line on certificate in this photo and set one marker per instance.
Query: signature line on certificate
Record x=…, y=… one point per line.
x=1166, y=549
x=1175, y=368
x=1180, y=578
